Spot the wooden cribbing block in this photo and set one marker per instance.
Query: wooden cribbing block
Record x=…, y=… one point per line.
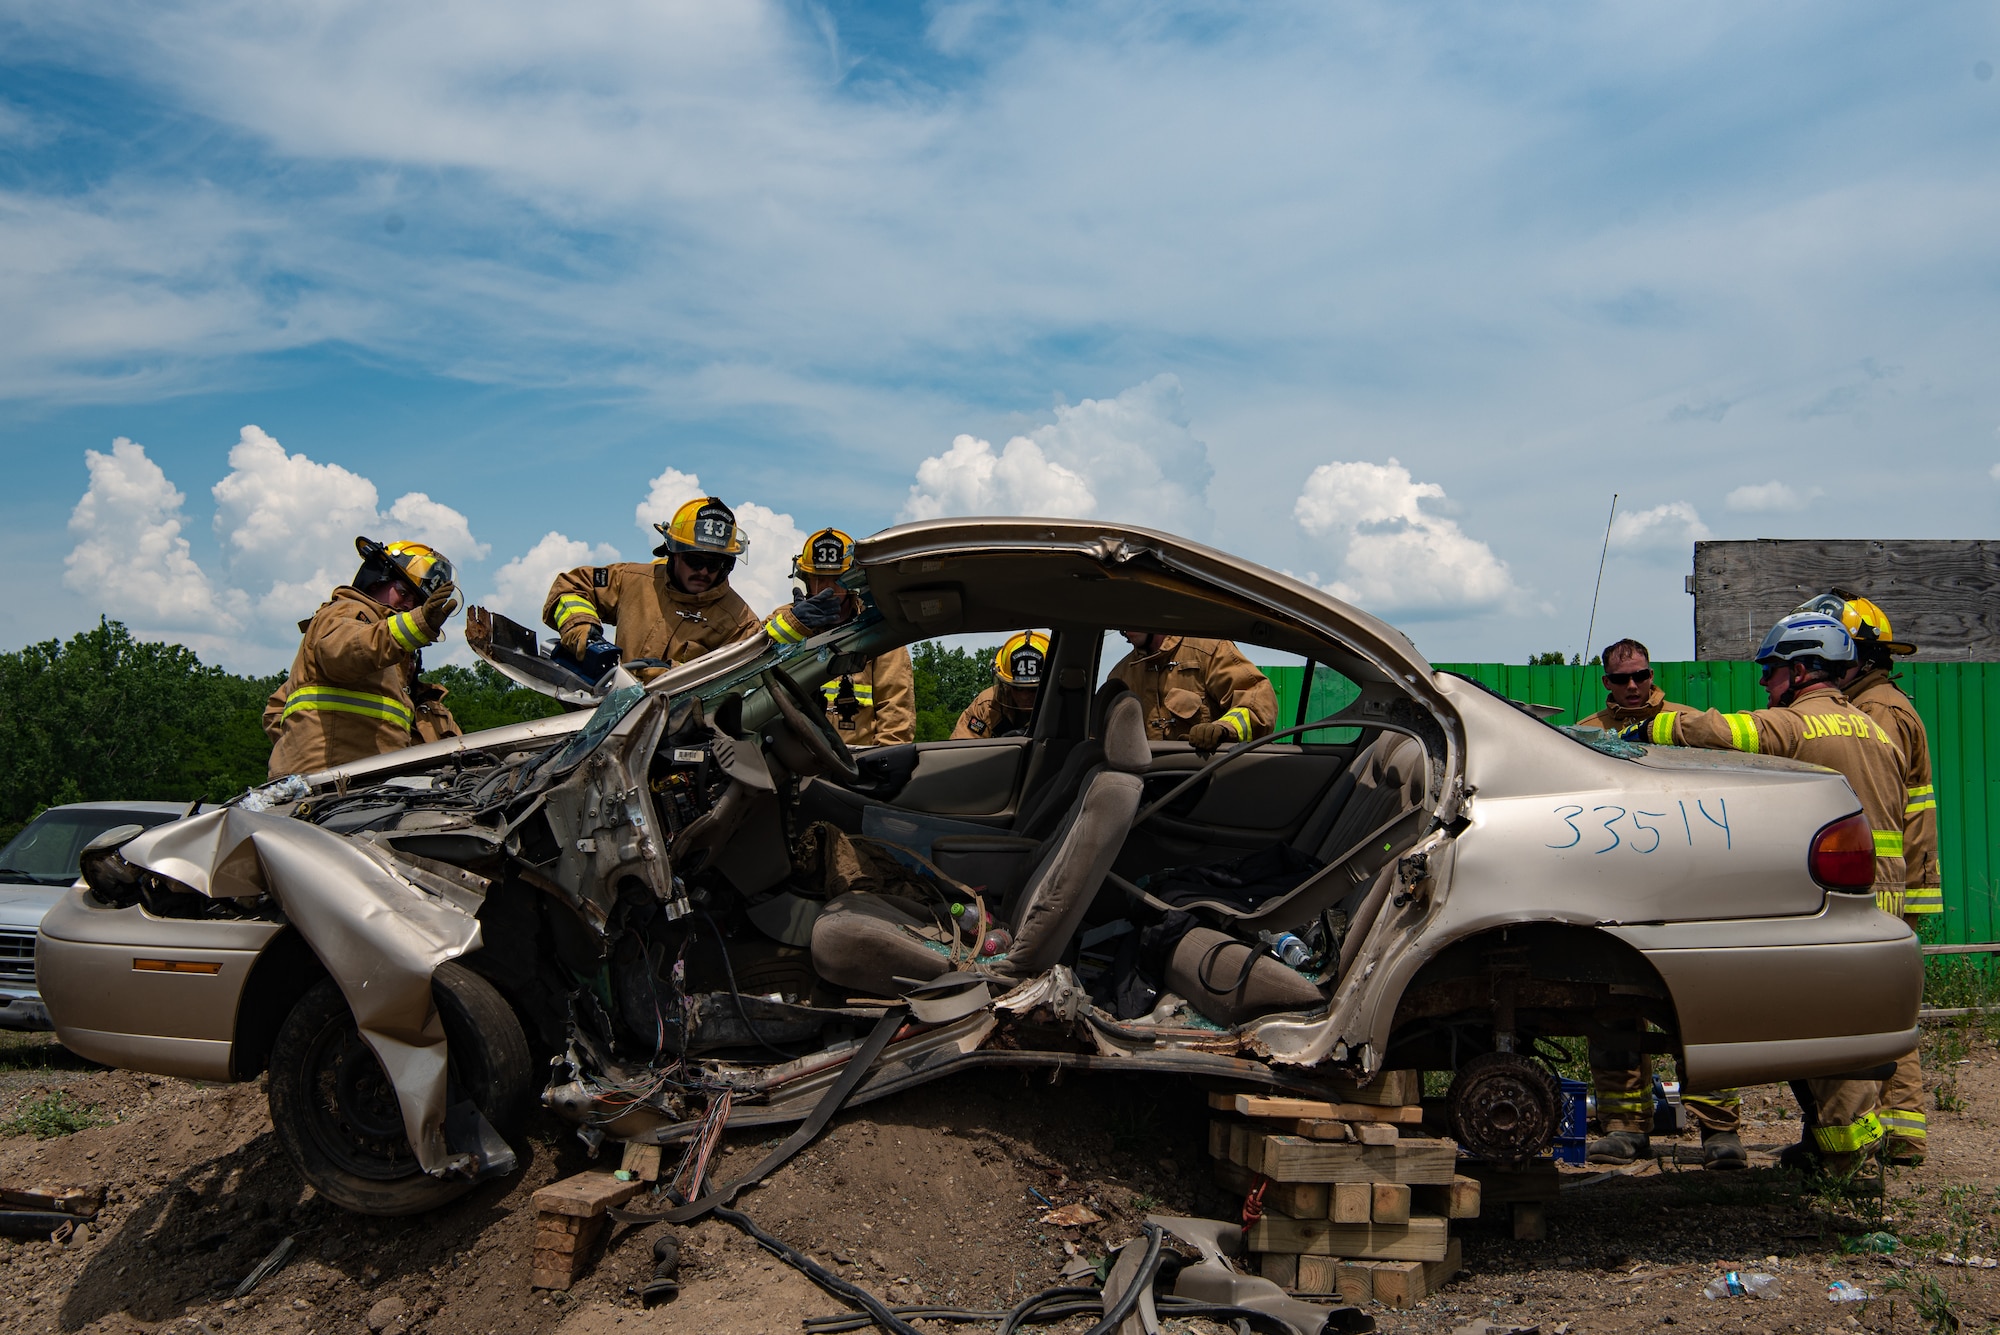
x=1422, y=1239
x=1353, y=1202
x=1459, y=1200
x=569, y=1217
x=1391, y=1204
x=586, y=1195
x=1297, y=1200
x=1531, y=1221
x=1313, y=1129
x=1504, y=1186
x=1281, y=1268
x=642, y=1161
x=1218, y=1138
x=1404, y=1284
x=1387, y=1089
x=1295, y=1159
x=1257, y=1105
x=1354, y=1281
x=1318, y=1274
x=1241, y=1139
x=1375, y=1133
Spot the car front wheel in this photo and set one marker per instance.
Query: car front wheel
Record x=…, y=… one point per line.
x=336, y=1112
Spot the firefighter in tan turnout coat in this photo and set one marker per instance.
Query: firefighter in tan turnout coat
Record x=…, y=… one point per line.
x=1803, y=656
x=1622, y=1078
x=1007, y=707
x=1204, y=692
x=875, y=705
x=354, y=689
x=676, y=608
x=1872, y=687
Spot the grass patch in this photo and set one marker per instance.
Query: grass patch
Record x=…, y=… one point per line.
x=1929, y=1297
x=38, y=1051
x=1953, y=981
x=45, y=1116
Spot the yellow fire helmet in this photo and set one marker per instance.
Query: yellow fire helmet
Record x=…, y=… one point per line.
x=423, y=568
x=702, y=525
x=827, y=552
x=1867, y=623
x=1021, y=659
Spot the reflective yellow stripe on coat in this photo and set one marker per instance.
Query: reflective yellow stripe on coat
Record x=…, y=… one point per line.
x=1922, y=799
x=1888, y=843
x=1847, y=1139
x=862, y=692
x=406, y=630
x=1238, y=721
x=569, y=605
x=333, y=700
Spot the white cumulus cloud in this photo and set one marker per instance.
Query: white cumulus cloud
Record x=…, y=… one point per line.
x=1760, y=497
x=763, y=576
x=1664, y=528
x=972, y=478
x=288, y=524
x=521, y=586
x=130, y=558
x=1131, y=458
x=1395, y=555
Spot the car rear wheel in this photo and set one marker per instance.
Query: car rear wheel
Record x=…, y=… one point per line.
x=335, y=1110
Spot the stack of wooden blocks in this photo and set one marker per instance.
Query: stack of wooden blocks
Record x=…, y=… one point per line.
x=1352, y=1207
x=569, y=1219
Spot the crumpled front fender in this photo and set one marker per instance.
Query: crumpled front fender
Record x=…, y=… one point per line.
x=377, y=933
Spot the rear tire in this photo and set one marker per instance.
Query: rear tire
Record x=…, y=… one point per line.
x=336, y=1113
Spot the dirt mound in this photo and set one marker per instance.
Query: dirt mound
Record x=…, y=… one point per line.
x=927, y=1197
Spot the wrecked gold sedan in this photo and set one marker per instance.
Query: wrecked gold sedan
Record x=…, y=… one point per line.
x=692, y=905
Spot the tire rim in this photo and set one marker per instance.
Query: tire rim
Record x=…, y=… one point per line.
x=352, y=1113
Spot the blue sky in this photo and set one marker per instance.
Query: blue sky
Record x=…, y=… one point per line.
x=1392, y=296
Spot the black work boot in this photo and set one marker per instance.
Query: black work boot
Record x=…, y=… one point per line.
x=1802, y=1157
x=1621, y=1147
x=1723, y=1150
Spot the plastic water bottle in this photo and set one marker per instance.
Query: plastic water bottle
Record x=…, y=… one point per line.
x=970, y=920
x=1734, y=1284
x=1287, y=947
x=1840, y=1291
x=998, y=942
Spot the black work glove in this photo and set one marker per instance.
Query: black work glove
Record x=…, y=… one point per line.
x=823, y=611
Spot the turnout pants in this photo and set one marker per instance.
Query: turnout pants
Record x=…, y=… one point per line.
x=1623, y=1082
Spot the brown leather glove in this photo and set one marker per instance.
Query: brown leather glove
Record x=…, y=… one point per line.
x=437, y=610
x=1206, y=737
x=575, y=636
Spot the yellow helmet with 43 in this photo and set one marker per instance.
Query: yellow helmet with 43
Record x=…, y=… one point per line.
x=704, y=525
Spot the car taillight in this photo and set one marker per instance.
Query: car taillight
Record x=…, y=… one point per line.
x=1843, y=855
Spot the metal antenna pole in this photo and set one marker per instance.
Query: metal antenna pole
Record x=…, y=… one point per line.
x=1576, y=706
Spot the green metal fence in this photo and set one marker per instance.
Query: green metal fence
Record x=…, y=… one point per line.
x=1959, y=703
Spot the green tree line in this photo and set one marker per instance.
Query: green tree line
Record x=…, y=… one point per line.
x=104, y=716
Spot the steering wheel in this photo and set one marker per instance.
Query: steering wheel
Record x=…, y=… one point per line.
x=805, y=716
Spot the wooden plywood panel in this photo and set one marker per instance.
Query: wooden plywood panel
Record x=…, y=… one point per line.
x=1938, y=594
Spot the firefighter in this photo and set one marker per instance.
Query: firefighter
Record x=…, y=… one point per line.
x=1804, y=657
x=1203, y=692
x=1007, y=707
x=1870, y=686
x=1621, y=1076
x=676, y=608
x=354, y=689
x=875, y=705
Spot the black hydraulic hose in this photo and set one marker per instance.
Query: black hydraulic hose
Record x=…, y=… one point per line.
x=818, y=1274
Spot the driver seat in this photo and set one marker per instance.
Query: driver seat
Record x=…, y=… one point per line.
x=869, y=942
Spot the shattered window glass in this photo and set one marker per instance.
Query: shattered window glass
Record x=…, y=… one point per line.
x=615, y=707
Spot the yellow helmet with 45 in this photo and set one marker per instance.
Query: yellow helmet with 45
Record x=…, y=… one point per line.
x=1021, y=660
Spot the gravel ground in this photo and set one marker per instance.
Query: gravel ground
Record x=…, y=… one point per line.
x=928, y=1198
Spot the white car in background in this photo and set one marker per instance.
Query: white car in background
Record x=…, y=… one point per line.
x=36, y=867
